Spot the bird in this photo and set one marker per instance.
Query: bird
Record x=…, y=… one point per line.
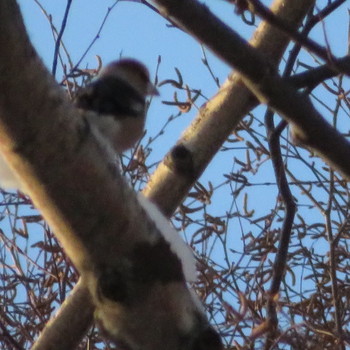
x=117, y=96
x=115, y=106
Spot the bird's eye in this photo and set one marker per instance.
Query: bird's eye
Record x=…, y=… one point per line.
x=207, y=340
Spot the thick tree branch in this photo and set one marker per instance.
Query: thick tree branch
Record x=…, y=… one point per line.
x=308, y=126
x=315, y=76
x=73, y=320
x=216, y=120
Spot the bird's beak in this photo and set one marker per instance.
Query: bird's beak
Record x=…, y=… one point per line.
x=152, y=90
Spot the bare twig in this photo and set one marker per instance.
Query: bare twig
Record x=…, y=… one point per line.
x=290, y=209
x=59, y=37
x=97, y=36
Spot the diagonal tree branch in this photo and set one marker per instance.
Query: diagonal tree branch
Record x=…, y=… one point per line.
x=220, y=116
x=308, y=126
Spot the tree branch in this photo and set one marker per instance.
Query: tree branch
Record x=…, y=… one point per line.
x=218, y=117
x=222, y=114
x=308, y=126
x=279, y=265
x=311, y=78
x=73, y=320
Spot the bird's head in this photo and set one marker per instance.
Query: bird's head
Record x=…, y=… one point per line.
x=132, y=72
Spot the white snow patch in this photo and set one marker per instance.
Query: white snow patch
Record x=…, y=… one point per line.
x=177, y=245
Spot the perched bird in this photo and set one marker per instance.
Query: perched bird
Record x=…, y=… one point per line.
x=118, y=98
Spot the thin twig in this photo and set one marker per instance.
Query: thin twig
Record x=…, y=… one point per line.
x=59, y=37
x=97, y=36
x=290, y=209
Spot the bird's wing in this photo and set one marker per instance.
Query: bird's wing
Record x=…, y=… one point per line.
x=109, y=95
